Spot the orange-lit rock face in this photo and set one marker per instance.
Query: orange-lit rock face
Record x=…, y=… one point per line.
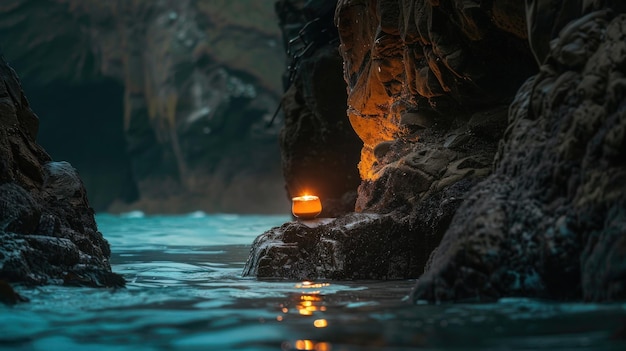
x=306, y=207
x=372, y=131
x=420, y=56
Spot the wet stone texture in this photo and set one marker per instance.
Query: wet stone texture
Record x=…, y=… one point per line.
x=416, y=67
x=551, y=220
x=47, y=229
x=395, y=245
x=507, y=172
x=341, y=249
x=420, y=153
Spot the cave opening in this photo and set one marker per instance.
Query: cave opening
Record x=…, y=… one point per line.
x=82, y=123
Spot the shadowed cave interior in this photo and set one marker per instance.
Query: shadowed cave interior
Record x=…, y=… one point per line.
x=83, y=124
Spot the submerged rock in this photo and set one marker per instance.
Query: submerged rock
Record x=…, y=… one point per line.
x=8, y=295
x=47, y=229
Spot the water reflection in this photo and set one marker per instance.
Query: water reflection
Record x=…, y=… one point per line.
x=309, y=303
x=312, y=345
x=185, y=291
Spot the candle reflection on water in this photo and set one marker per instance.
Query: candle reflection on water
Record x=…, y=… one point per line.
x=307, y=304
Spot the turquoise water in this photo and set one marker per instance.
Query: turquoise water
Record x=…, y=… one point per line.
x=185, y=292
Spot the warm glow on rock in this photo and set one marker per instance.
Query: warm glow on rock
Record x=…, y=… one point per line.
x=372, y=131
x=306, y=207
x=323, y=346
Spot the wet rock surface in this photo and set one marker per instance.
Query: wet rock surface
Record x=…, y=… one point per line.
x=550, y=221
x=420, y=153
x=393, y=245
x=47, y=230
x=511, y=188
x=341, y=249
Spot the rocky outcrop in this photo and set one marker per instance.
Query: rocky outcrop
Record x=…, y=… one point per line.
x=429, y=85
x=393, y=245
x=47, y=229
x=199, y=81
x=516, y=187
x=551, y=220
x=421, y=153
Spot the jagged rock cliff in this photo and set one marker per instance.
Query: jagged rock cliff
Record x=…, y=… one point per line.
x=47, y=230
x=197, y=82
x=493, y=138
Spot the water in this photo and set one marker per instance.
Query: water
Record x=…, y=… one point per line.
x=185, y=292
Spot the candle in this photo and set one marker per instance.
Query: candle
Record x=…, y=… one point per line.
x=306, y=207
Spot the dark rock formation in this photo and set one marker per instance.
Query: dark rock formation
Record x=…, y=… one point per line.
x=526, y=194
x=320, y=150
x=551, y=220
x=357, y=246
x=47, y=230
x=341, y=249
x=198, y=80
x=429, y=86
x=8, y=295
x=421, y=153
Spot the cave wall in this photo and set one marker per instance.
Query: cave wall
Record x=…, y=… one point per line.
x=420, y=153
x=550, y=220
x=493, y=158
x=200, y=81
x=429, y=84
x=319, y=148
x=48, y=233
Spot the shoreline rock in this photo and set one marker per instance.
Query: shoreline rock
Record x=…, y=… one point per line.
x=490, y=204
x=551, y=221
x=48, y=234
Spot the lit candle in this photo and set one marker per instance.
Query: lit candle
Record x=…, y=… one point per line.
x=306, y=207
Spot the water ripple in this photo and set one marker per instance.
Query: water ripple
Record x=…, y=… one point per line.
x=185, y=291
